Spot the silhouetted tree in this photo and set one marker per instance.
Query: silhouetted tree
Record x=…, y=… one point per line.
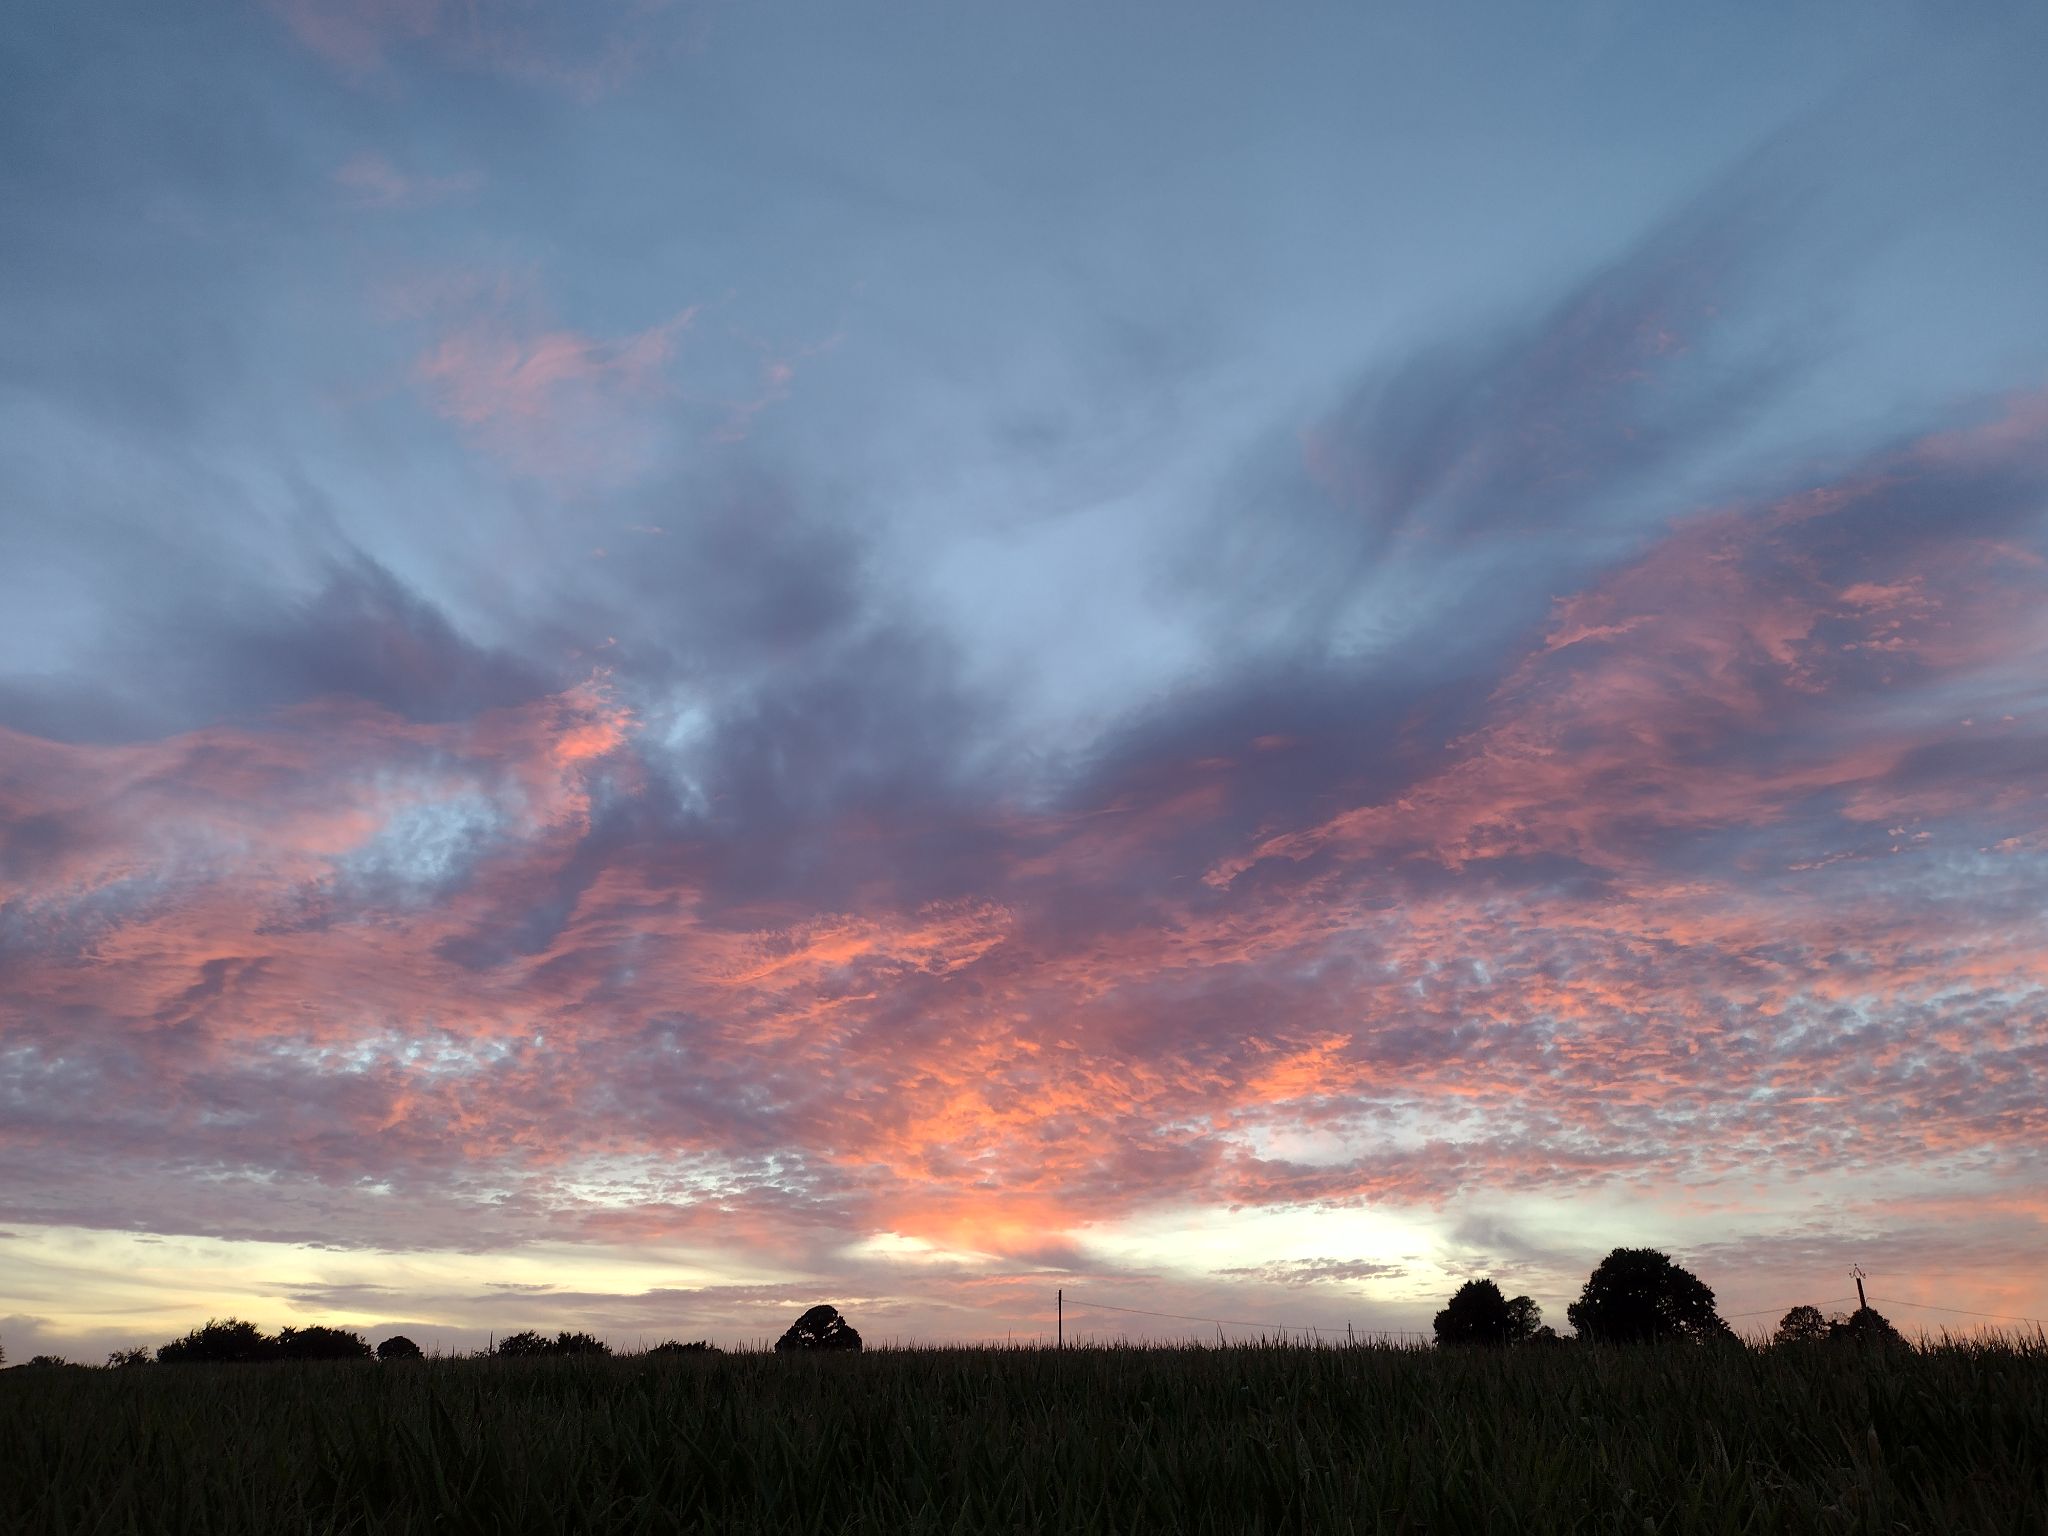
x=1637, y=1296
x=1866, y=1325
x=399, y=1347
x=820, y=1328
x=320, y=1343
x=44, y=1362
x=1479, y=1314
x=227, y=1341
x=122, y=1359
x=529, y=1345
x=694, y=1347
x=1802, y=1325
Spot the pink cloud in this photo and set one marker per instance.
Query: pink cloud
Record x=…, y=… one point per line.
x=486, y=373
x=356, y=34
x=371, y=181
x=553, y=403
x=589, y=54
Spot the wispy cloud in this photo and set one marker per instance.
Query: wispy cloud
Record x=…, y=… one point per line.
x=368, y=180
x=562, y=47
x=549, y=402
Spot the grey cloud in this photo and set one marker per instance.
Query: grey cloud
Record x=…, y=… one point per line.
x=195, y=654
x=1502, y=463
x=1315, y=1271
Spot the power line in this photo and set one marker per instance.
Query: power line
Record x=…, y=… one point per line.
x=1832, y=1301
x=2001, y=1317
x=1228, y=1322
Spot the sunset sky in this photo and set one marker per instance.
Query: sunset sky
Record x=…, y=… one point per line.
x=661, y=661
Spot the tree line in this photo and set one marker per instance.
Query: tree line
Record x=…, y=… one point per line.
x=1636, y=1296
x=233, y=1341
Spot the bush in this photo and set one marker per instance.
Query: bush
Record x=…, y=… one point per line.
x=122, y=1359
x=694, y=1347
x=399, y=1347
x=318, y=1343
x=529, y=1345
x=228, y=1341
x=1866, y=1325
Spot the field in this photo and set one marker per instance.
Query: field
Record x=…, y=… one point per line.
x=1257, y=1438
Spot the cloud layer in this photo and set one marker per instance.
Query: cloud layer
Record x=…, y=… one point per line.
x=1528, y=794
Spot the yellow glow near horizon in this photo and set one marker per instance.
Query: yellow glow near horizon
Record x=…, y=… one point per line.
x=82, y=1282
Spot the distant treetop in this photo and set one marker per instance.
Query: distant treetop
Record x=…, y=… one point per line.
x=821, y=1328
x=1479, y=1314
x=1802, y=1325
x=319, y=1343
x=1638, y=1296
x=529, y=1345
x=223, y=1341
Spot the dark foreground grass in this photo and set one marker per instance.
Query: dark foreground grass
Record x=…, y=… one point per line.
x=1223, y=1440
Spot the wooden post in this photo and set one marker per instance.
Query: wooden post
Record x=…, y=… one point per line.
x=1861, y=1304
x=1059, y=1301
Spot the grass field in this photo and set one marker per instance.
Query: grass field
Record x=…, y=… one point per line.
x=1258, y=1438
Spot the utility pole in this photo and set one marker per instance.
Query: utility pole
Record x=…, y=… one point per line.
x=1857, y=1271
x=1059, y=1301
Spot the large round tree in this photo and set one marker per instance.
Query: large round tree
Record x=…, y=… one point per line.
x=1802, y=1325
x=1638, y=1296
x=1480, y=1314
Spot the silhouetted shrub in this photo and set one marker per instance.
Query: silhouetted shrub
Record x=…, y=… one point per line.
x=1802, y=1325
x=399, y=1347
x=530, y=1345
x=1479, y=1314
x=820, y=1328
x=694, y=1347
x=1638, y=1296
x=122, y=1359
x=318, y=1343
x=43, y=1362
x=1866, y=1325
x=229, y=1341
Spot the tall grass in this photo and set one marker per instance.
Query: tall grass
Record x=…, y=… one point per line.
x=1951, y=1438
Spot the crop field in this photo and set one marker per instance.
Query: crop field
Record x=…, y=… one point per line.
x=1950, y=1438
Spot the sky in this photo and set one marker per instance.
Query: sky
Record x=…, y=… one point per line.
x=661, y=661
